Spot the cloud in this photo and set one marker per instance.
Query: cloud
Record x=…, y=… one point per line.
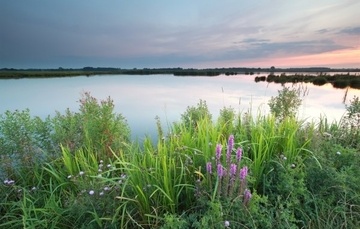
x=351, y=30
x=253, y=41
x=265, y=49
x=323, y=31
x=250, y=49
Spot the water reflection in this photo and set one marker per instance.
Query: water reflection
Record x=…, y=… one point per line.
x=141, y=98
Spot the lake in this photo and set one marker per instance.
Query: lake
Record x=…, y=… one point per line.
x=140, y=98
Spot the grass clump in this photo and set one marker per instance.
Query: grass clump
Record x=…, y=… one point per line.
x=286, y=103
x=319, y=81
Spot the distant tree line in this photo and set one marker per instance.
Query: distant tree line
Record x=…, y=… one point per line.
x=8, y=73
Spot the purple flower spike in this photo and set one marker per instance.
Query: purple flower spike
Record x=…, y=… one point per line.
x=209, y=167
x=238, y=154
x=218, y=153
x=229, y=148
x=247, y=196
x=220, y=170
x=243, y=173
x=233, y=168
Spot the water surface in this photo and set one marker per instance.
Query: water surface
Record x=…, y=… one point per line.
x=140, y=98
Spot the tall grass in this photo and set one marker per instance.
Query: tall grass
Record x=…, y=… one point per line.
x=266, y=139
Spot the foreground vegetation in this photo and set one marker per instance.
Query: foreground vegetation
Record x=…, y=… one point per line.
x=81, y=170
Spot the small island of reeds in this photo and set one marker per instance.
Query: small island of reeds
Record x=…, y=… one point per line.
x=337, y=80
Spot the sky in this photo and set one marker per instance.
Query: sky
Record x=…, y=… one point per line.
x=187, y=33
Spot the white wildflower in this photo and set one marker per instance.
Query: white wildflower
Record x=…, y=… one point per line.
x=123, y=176
x=9, y=182
x=227, y=223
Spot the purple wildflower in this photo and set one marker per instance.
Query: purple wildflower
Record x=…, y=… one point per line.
x=247, y=196
x=229, y=148
x=243, y=173
x=209, y=167
x=220, y=170
x=218, y=153
x=238, y=154
x=232, y=171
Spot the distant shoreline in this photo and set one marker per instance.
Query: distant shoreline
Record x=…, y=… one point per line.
x=11, y=73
